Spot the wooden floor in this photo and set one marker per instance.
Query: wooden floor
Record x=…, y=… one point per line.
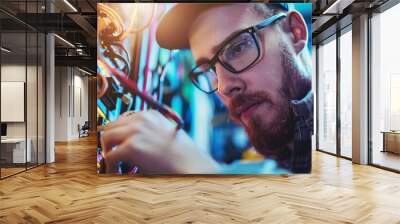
x=70, y=191
x=5, y=172
x=387, y=159
x=10, y=171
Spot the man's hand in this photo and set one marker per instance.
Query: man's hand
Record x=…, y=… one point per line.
x=149, y=140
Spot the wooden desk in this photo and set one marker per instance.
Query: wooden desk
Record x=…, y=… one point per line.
x=391, y=141
x=13, y=150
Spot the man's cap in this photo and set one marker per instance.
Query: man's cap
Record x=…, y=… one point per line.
x=172, y=31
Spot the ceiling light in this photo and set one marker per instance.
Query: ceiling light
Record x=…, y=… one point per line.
x=70, y=5
x=65, y=41
x=5, y=50
x=326, y=11
x=84, y=71
x=337, y=7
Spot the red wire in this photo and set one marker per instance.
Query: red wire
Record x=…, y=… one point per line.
x=127, y=83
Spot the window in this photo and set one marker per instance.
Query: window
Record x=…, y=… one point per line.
x=327, y=96
x=385, y=89
x=346, y=94
x=22, y=76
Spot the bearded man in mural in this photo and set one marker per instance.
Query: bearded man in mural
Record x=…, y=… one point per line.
x=250, y=55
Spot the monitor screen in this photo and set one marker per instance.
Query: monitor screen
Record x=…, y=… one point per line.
x=3, y=129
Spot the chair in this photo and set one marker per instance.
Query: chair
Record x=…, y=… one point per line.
x=84, y=130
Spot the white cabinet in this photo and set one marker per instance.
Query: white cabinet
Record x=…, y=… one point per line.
x=17, y=146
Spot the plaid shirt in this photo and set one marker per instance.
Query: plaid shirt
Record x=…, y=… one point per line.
x=298, y=158
x=294, y=160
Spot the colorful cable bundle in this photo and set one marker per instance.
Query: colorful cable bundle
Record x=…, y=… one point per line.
x=131, y=86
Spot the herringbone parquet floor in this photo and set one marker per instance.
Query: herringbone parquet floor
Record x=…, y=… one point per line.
x=70, y=191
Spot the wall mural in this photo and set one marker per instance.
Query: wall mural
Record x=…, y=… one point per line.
x=204, y=88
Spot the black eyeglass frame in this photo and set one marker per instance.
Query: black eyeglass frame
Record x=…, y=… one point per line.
x=252, y=31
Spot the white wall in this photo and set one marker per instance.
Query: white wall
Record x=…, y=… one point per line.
x=61, y=103
x=80, y=101
x=71, y=94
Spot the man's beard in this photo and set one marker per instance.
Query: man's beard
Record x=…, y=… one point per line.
x=268, y=139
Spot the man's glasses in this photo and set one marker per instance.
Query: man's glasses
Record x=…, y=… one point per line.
x=240, y=52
